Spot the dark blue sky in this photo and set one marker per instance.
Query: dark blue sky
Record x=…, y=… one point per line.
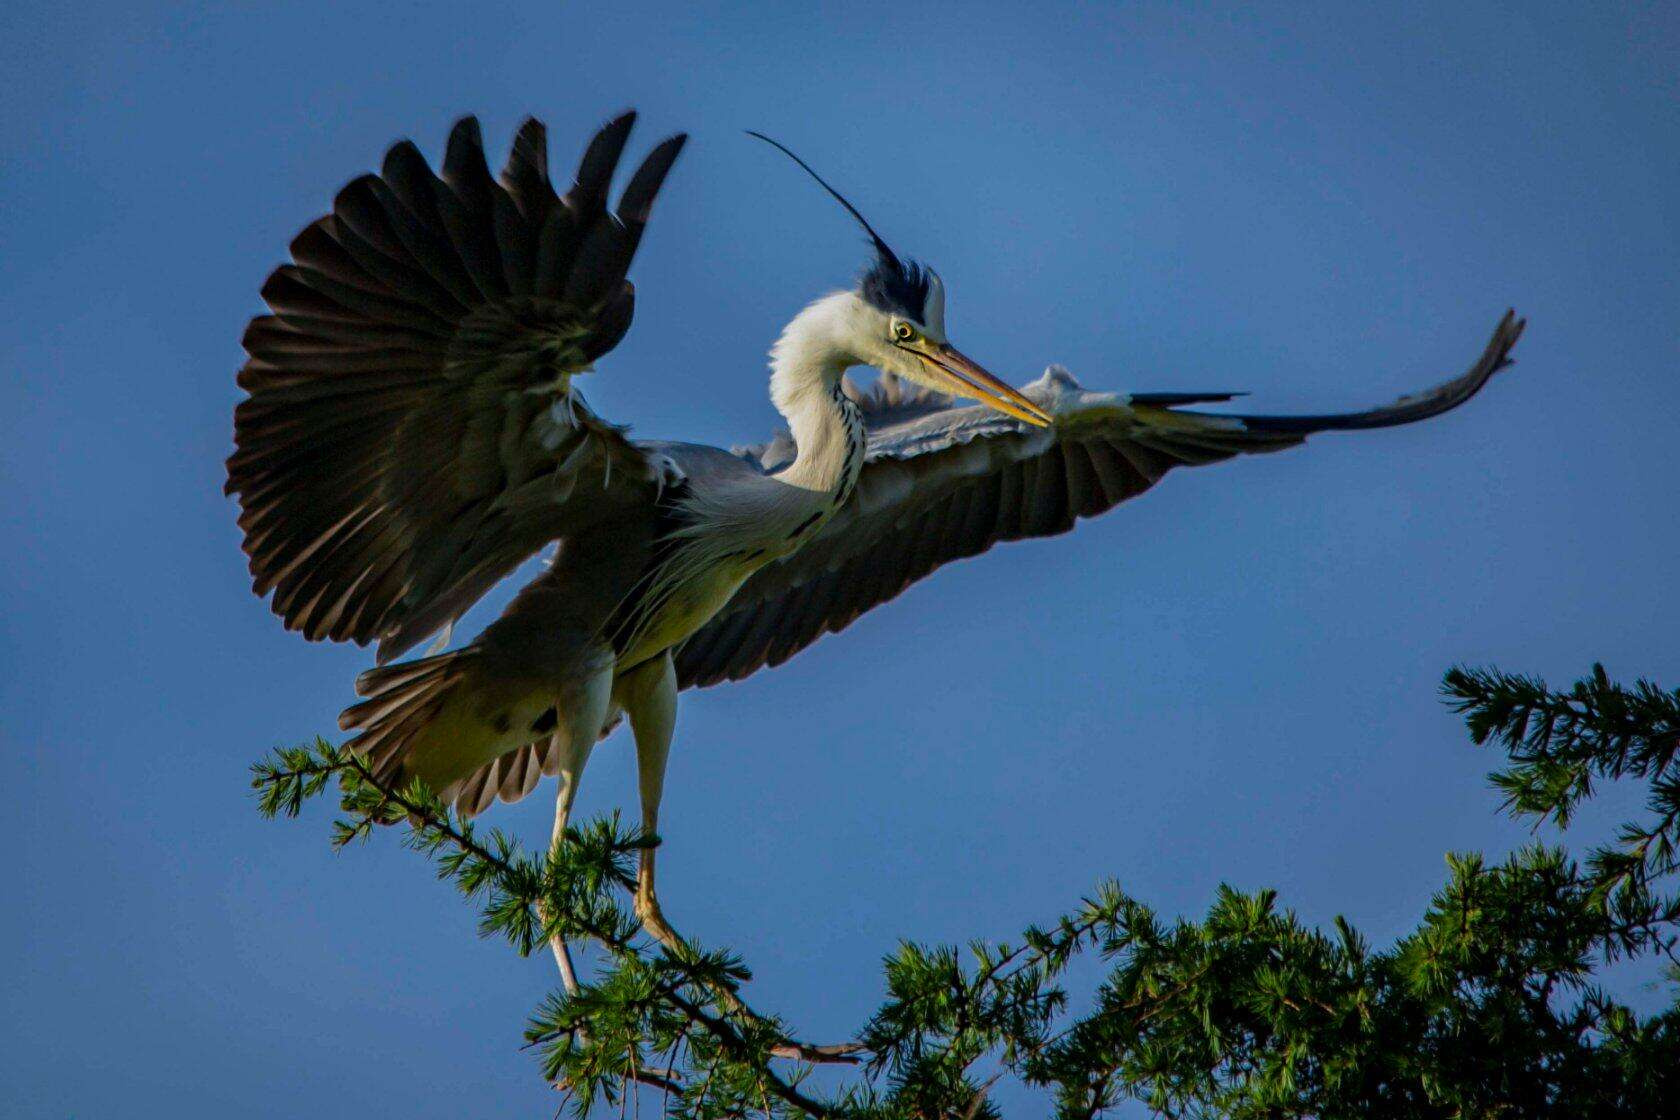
x=1232, y=678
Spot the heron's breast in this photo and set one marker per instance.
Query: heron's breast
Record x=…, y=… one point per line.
x=671, y=618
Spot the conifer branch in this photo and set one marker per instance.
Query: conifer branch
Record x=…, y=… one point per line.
x=1492, y=1005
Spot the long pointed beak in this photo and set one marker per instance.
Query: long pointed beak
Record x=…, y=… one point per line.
x=967, y=378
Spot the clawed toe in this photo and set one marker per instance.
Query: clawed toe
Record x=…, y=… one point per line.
x=653, y=920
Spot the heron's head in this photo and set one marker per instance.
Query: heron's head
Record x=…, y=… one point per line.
x=905, y=328
x=895, y=321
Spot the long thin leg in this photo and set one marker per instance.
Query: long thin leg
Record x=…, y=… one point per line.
x=649, y=698
x=580, y=712
x=562, y=954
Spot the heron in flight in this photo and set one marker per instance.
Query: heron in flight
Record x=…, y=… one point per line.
x=413, y=431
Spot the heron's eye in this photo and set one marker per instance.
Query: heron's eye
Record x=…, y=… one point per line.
x=904, y=332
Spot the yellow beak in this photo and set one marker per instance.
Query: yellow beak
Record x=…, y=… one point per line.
x=961, y=376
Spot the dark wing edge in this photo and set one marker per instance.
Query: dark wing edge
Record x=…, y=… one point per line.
x=410, y=389
x=1002, y=482
x=1411, y=408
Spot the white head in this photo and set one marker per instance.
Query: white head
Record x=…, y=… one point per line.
x=894, y=320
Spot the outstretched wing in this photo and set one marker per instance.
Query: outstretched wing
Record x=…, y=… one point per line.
x=943, y=481
x=411, y=433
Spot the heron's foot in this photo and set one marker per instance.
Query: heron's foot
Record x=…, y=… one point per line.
x=653, y=919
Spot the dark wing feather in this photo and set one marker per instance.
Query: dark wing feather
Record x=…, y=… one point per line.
x=410, y=433
x=944, y=481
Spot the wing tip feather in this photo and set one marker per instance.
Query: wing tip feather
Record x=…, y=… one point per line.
x=383, y=236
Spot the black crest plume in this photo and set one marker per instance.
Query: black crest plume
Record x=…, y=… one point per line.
x=891, y=283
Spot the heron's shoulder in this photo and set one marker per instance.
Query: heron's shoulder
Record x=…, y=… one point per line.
x=705, y=462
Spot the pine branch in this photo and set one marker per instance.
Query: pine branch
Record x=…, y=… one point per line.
x=1560, y=742
x=519, y=891
x=1491, y=1006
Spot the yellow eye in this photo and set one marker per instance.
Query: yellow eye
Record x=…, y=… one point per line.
x=904, y=332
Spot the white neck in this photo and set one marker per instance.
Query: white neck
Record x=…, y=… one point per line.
x=806, y=366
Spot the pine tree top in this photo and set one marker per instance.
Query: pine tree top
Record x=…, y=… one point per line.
x=1491, y=1007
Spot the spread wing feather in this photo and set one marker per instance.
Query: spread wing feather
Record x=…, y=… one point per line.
x=943, y=481
x=410, y=433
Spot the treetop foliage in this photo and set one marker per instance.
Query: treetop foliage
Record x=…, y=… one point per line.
x=1490, y=1007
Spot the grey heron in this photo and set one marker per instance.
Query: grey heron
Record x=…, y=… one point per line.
x=412, y=432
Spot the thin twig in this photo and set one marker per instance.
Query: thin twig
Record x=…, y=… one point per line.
x=728, y=1038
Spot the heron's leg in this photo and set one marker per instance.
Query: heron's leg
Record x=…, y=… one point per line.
x=580, y=712
x=648, y=695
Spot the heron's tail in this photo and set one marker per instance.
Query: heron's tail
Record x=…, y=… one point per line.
x=438, y=719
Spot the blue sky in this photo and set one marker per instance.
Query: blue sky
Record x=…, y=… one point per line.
x=1232, y=678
